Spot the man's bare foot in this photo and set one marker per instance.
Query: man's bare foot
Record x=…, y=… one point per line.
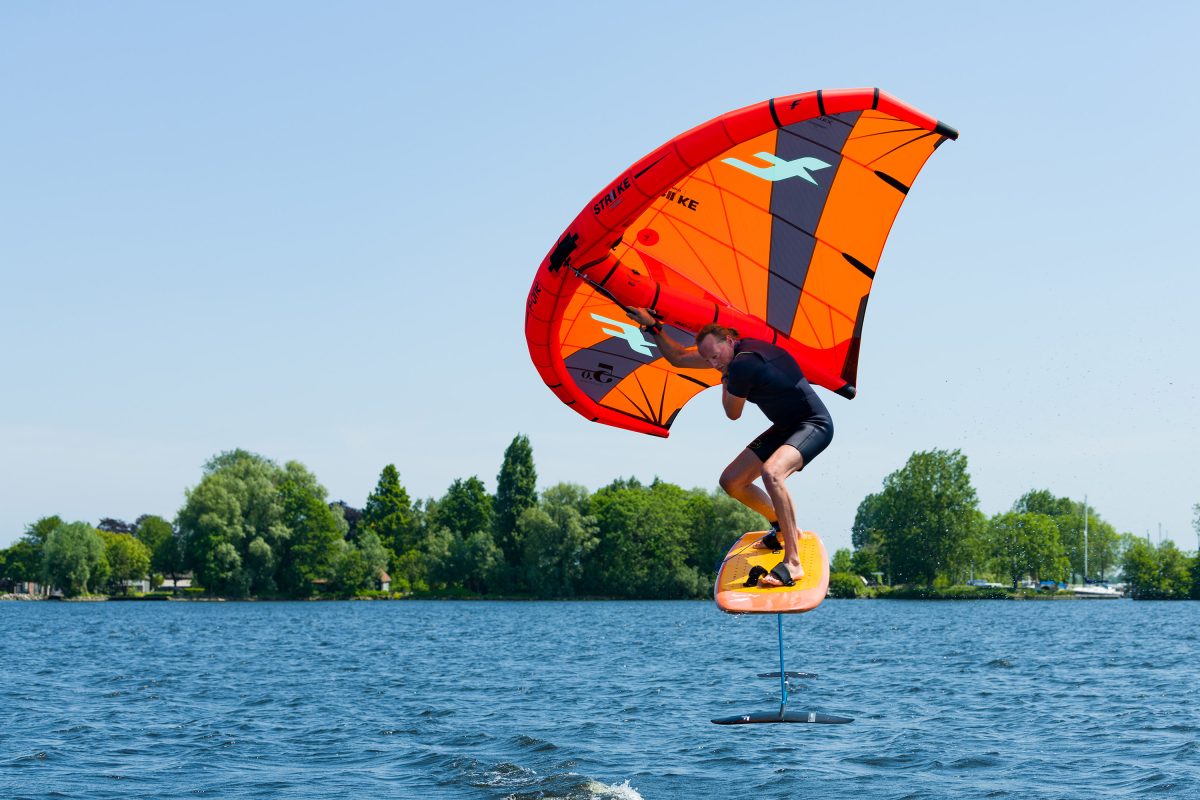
x=769, y=542
x=770, y=581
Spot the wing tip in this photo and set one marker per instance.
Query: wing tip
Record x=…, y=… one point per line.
x=942, y=129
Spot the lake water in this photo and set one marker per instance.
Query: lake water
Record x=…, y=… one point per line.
x=582, y=700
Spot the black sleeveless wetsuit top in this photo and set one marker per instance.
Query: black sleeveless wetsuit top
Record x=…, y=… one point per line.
x=770, y=378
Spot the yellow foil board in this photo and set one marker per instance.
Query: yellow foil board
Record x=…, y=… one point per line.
x=733, y=596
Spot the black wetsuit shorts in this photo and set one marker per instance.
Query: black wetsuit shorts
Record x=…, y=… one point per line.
x=810, y=437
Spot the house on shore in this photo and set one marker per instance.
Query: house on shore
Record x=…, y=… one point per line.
x=29, y=589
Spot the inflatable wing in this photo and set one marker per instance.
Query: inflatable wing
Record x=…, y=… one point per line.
x=770, y=219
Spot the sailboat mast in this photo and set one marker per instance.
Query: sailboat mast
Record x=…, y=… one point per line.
x=1085, y=532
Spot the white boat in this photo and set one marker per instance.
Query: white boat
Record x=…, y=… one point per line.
x=1092, y=591
x=1096, y=591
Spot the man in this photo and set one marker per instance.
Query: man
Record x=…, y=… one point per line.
x=801, y=428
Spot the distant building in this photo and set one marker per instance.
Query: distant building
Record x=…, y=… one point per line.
x=30, y=588
x=385, y=581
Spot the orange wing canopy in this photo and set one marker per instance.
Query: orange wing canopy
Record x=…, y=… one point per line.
x=770, y=219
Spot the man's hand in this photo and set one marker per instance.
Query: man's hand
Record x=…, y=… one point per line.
x=676, y=354
x=642, y=316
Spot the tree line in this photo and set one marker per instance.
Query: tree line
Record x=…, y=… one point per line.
x=925, y=528
x=253, y=528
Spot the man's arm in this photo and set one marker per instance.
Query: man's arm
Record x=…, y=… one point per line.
x=733, y=405
x=676, y=354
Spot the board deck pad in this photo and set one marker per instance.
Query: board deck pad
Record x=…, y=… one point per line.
x=734, y=597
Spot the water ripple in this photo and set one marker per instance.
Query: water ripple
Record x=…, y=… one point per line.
x=595, y=701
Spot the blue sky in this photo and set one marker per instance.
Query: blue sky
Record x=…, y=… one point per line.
x=308, y=230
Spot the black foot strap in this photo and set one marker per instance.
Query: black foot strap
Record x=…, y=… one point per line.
x=756, y=572
x=780, y=571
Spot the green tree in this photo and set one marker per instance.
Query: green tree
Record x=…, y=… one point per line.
x=476, y=562
x=298, y=474
x=557, y=536
x=1043, y=501
x=74, y=558
x=211, y=528
x=473, y=562
x=866, y=562
x=29, y=560
x=357, y=565
x=459, y=538
x=1139, y=568
x=465, y=508
x=1157, y=573
x=927, y=513
x=1103, y=542
x=410, y=572
x=516, y=490
x=436, y=545
x=389, y=513
x=843, y=561
x=350, y=573
x=236, y=502
x=1026, y=544
x=23, y=562
x=128, y=559
x=152, y=531
x=246, y=501
x=350, y=514
x=643, y=543
x=40, y=531
x=223, y=573
x=1103, y=546
x=1174, y=572
x=376, y=556
x=314, y=537
x=867, y=535
x=167, y=559
x=260, y=565
x=159, y=537
x=869, y=523
x=844, y=585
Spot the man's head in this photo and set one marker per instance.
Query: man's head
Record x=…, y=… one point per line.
x=715, y=344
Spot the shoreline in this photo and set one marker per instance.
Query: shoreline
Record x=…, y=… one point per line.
x=897, y=595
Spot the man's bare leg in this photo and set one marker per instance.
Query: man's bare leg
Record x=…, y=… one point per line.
x=738, y=482
x=784, y=462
